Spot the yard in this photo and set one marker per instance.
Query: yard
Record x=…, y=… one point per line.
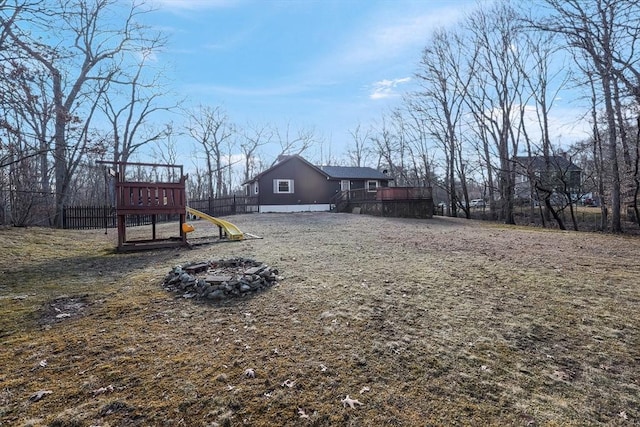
x=376, y=321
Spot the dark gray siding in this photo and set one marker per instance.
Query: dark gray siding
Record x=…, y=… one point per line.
x=310, y=185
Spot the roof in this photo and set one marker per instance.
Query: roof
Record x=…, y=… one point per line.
x=537, y=163
x=353, y=172
x=331, y=172
x=280, y=161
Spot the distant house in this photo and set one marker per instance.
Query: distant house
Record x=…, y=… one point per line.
x=295, y=185
x=560, y=176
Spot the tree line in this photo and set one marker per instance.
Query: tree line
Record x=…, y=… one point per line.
x=486, y=102
x=79, y=86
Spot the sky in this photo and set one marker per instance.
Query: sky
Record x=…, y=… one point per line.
x=326, y=65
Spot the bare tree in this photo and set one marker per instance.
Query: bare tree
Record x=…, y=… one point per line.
x=293, y=142
x=535, y=60
x=606, y=32
x=128, y=106
x=598, y=148
x=440, y=103
x=197, y=185
x=385, y=146
x=166, y=150
x=255, y=136
x=27, y=112
x=211, y=129
x=9, y=13
x=360, y=151
x=82, y=47
x=420, y=147
x=401, y=129
x=494, y=90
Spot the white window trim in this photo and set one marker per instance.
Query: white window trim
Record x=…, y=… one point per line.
x=255, y=188
x=369, y=187
x=276, y=186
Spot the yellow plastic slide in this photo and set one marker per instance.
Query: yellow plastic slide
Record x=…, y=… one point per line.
x=232, y=231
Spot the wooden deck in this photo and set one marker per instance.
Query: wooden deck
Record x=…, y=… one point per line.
x=406, y=202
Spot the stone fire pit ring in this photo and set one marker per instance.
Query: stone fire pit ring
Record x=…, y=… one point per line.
x=220, y=279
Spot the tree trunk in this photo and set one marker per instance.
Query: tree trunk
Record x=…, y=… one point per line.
x=616, y=223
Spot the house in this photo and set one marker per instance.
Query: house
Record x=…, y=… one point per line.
x=560, y=176
x=295, y=185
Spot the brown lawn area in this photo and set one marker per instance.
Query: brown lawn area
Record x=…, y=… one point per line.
x=424, y=322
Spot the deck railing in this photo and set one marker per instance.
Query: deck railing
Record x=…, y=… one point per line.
x=160, y=198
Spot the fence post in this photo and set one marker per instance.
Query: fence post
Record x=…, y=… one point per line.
x=233, y=206
x=105, y=213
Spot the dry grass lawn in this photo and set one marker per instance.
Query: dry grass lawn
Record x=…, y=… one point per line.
x=423, y=322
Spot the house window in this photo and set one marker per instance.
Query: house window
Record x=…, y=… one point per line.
x=283, y=186
x=255, y=188
x=372, y=186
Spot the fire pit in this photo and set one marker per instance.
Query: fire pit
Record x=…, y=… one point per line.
x=221, y=279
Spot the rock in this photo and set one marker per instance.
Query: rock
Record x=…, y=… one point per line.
x=197, y=268
x=255, y=270
x=216, y=295
x=217, y=280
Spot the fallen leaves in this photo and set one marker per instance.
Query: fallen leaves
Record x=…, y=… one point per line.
x=350, y=402
x=288, y=383
x=38, y=395
x=102, y=390
x=302, y=413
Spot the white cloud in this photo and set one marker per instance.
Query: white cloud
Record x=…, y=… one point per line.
x=386, y=41
x=394, y=33
x=387, y=88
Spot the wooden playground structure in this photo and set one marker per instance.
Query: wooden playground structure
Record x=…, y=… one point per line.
x=149, y=198
x=166, y=198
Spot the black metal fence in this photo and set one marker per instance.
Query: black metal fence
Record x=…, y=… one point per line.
x=93, y=217
x=88, y=217
x=96, y=217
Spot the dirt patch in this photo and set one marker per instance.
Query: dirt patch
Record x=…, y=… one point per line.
x=63, y=308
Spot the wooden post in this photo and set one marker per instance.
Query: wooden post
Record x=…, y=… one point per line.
x=122, y=231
